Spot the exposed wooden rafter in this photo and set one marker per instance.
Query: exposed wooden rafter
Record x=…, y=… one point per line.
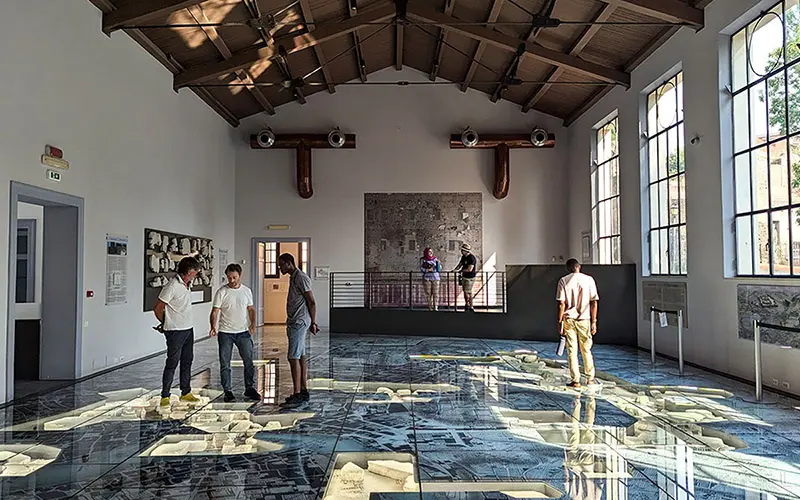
x=142, y=11
x=398, y=46
x=293, y=43
x=105, y=6
x=638, y=59
x=308, y=16
x=583, y=40
x=283, y=61
x=674, y=11
x=512, y=67
x=352, y=9
x=494, y=13
x=421, y=11
x=401, y=7
x=440, y=43
x=243, y=75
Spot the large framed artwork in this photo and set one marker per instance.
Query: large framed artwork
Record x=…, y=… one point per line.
x=398, y=226
x=163, y=250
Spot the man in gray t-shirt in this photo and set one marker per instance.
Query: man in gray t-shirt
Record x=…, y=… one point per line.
x=301, y=313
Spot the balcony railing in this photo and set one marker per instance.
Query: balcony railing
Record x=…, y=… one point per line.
x=406, y=290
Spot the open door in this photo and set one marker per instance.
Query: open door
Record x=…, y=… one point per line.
x=260, y=268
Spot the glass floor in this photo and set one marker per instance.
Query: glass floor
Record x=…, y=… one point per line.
x=406, y=418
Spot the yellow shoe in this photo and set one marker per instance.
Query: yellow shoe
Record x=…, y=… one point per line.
x=164, y=402
x=190, y=398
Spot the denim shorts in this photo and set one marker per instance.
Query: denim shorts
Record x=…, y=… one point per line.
x=297, y=339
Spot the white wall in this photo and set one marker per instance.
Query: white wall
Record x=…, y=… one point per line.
x=141, y=156
x=712, y=338
x=402, y=139
x=33, y=310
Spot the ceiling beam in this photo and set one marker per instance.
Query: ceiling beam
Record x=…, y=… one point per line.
x=675, y=11
x=638, y=59
x=513, y=66
x=420, y=11
x=401, y=7
x=295, y=43
x=308, y=17
x=266, y=37
x=583, y=40
x=494, y=13
x=440, y=43
x=398, y=46
x=142, y=11
x=360, y=61
x=244, y=76
x=172, y=65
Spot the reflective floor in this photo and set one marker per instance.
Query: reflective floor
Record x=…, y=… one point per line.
x=407, y=418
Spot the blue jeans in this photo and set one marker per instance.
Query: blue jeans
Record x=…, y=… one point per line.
x=180, y=350
x=244, y=343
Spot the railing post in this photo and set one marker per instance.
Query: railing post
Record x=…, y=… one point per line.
x=410, y=299
x=652, y=335
x=484, y=289
x=757, y=341
x=680, y=341
x=369, y=290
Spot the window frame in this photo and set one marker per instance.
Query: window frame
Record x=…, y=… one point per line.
x=271, y=264
x=29, y=256
x=752, y=81
x=597, y=203
x=653, y=186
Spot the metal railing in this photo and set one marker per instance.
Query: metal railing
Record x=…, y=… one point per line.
x=757, y=349
x=407, y=290
x=679, y=314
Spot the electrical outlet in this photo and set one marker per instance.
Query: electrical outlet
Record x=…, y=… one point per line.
x=785, y=385
x=775, y=382
x=121, y=359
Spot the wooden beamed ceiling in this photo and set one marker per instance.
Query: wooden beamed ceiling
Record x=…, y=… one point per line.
x=243, y=57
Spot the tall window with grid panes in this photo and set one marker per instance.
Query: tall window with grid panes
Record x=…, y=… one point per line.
x=666, y=172
x=765, y=83
x=605, y=195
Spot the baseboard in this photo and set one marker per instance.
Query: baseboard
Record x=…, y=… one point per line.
x=726, y=375
x=67, y=383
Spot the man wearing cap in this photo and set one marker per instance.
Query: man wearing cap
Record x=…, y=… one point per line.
x=467, y=266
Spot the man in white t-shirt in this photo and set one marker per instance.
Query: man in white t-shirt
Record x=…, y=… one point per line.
x=233, y=307
x=174, y=310
x=577, y=316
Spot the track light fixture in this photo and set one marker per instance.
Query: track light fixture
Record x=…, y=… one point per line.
x=539, y=137
x=266, y=138
x=469, y=138
x=336, y=138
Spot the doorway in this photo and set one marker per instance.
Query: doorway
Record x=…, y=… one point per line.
x=45, y=305
x=270, y=289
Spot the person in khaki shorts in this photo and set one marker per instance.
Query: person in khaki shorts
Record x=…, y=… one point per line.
x=577, y=316
x=467, y=266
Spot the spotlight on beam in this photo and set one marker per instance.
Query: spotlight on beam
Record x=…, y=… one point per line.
x=336, y=138
x=469, y=138
x=265, y=138
x=539, y=137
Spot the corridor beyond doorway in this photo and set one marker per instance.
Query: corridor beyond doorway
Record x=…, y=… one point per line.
x=274, y=288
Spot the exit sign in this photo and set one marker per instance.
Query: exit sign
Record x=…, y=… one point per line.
x=54, y=175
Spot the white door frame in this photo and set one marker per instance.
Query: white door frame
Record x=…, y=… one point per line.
x=257, y=282
x=39, y=196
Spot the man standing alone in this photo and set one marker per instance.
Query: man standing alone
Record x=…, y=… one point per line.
x=577, y=315
x=301, y=312
x=233, y=306
x=174, y=310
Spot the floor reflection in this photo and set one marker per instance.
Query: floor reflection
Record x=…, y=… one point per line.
x=405, y=418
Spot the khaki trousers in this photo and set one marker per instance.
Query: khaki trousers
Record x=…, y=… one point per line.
x=432, y=291
x=579, y=337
